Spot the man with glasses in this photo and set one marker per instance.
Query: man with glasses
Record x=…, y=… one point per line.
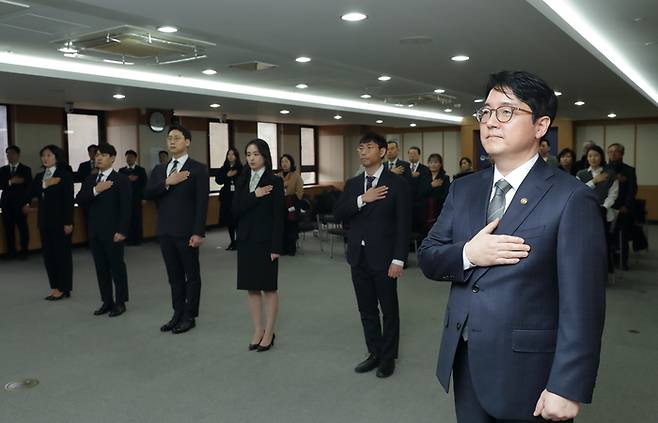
x=523, y=245
x=375, y=205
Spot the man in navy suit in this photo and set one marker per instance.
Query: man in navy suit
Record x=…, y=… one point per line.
x=523, y=245
x=375, y=206
x=180, y=190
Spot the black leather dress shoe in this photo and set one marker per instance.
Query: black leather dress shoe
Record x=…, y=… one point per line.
x=118, y=310
x=386, y=368
x=184, y=326
x=367, y=365
x=105, y=308
x=170, y=325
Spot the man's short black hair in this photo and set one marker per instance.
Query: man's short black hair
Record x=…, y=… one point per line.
x=107, y=149
x=131, y=152
x=92, y=147
x=545, y=140
x=415, y=148
x=183, y=130
x=528, y=88
x=376, y=138
x=392, y=142
x=13, y=148
x=163, y=152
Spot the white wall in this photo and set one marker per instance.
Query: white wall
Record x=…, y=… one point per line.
x=31, y=137
x=331, y=150
x=123, y=138
x=149, y=144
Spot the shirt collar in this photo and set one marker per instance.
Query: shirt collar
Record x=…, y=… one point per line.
x=516, y=177
x=378, y=173
x=259, y=172
x=52, y=169
x=181, y=160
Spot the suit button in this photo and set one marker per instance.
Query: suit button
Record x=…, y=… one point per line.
x=476, y=289
x=459, y=325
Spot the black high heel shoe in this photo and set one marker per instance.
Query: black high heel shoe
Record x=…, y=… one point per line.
x=261, y=348
x=255, y=346
x=61, y=297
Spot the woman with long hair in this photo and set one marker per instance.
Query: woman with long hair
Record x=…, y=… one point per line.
x=438, y=190
x=258, y=205
x=52, y=189
x=227, y=176
x=293, y=185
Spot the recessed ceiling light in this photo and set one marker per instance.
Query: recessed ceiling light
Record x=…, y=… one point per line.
x=459, y=58
x=640, y=19
x=353, y=17
x=399, y=105
x=384, y=78
x=71, y=55
x=379, y=121
x=478, y=100
x=649, y=43
x=413, y=125
x=338, y=117
x=119, y=96
x=167, y=29
x=301, y=86
x=209, y=72
x=579, y=103
x=303, y=59
x=558, y=93
x=448, y=110
x=612, y=115
x=118, y=62
x=410, y=105
x=366, y=96
x=439, y=91
x=215, y=105
x=284, y=112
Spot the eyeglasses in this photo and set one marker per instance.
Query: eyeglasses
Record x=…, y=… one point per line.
x=369, y=147
x=503, y=113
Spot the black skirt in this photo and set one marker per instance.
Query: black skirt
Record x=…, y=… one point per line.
x=256, y=270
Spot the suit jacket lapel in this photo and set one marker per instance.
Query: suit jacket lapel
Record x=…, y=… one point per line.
x=481, y=192
x=533, y=188
x=383, y=180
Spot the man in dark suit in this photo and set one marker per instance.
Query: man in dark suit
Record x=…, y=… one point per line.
x=523, y=245
x=107, y=195
x=420, y=185
x=394, y=164
x=180, y=189
x=15, y=180
x=89, y=167
x=137, y=177
x=375, y=206
x=625, y=202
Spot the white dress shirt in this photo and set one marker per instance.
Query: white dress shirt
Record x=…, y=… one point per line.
x=181, y=161
x=514, y=178
x=49, y=171
x=101, y=177
x=12, y=169
x=360, y=203
x=254, y=182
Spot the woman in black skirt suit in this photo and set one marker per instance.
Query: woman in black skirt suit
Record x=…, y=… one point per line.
x=258, y=207
x=227, y=176
x=53, y=189
x=438, y=190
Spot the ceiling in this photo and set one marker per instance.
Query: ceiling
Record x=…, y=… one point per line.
x=347, y=58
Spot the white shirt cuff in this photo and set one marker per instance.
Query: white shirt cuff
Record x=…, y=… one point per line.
x=398, y=263
x=359, y=202
x=95, y=192
x=467, y=263
x=591, y=184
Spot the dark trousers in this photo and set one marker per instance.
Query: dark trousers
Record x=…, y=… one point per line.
x=467, y=405
x=374, y=289
x=135, y=231
x=14, y=217
x=625, y=223
x=110, y=266
x=56, y=249
x=183, y=270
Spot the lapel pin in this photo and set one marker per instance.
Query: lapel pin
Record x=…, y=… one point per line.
x=524, y=201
